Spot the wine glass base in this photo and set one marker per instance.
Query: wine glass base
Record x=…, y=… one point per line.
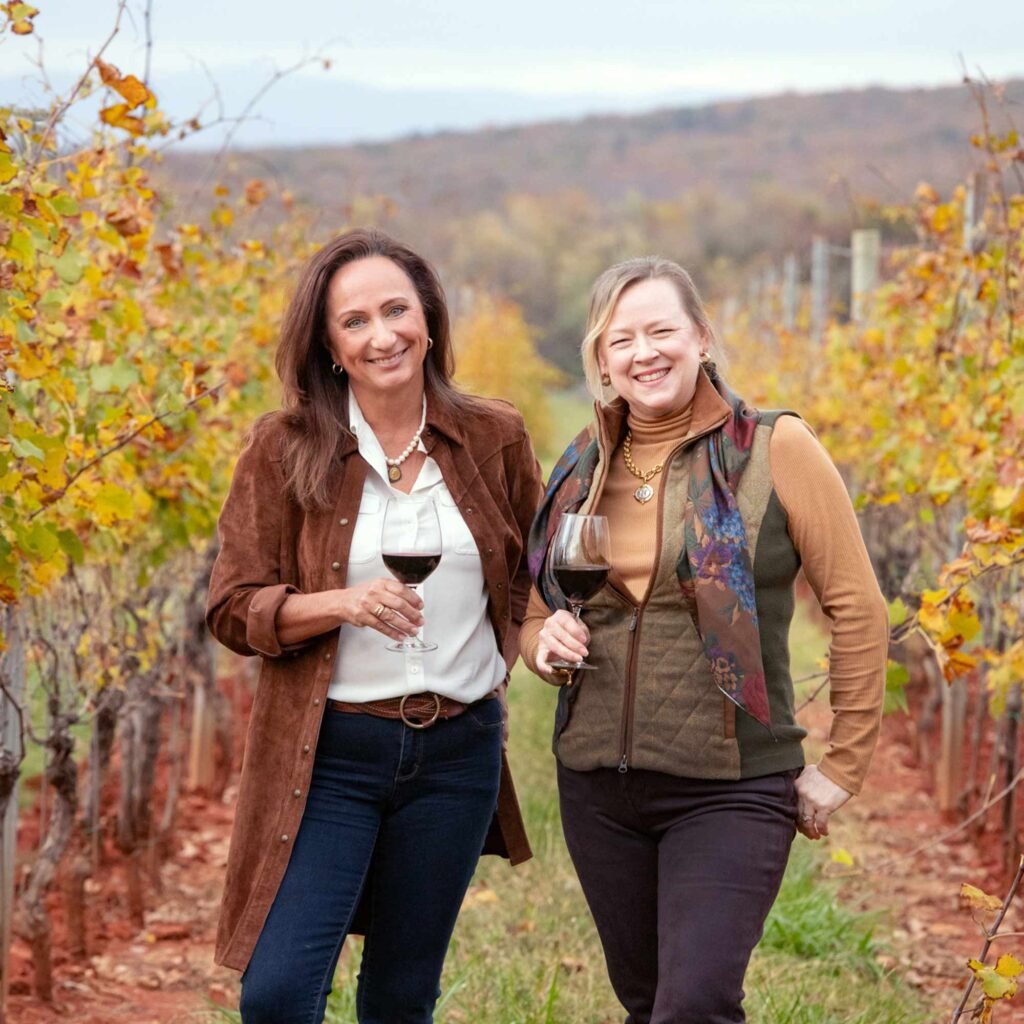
x=410, y=647
x=571, y=666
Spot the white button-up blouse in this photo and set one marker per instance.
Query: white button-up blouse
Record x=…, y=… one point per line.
x=467, y=664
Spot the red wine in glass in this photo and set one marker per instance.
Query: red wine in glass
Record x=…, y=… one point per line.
x=580, y=559
x=580, y=583
x=411, y=568
x=410, y=546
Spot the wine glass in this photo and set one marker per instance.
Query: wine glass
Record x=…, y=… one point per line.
x=580, y=559
x=410, y=545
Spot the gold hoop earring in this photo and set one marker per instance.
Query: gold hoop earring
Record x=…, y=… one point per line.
x=336, y=369
x=430, y=342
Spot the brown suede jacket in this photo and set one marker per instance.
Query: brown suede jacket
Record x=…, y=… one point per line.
x=270, y=548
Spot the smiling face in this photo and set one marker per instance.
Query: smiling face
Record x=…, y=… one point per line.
x=651, y=349
x=376, y=328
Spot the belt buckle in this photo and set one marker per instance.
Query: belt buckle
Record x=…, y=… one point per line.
x=419, y=725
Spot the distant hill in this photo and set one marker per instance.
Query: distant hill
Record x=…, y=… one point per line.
x=535, y=213
x=881, y=142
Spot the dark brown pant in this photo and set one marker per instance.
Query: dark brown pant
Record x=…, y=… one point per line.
x=680, y=875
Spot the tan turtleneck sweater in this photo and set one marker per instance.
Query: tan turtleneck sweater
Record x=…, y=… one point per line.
x=824, y=530
x=635, y=536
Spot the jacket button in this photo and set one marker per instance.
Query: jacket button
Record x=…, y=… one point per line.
x=305, y=748
x=469, y=511
x=335, y=566
x=296, y=793
x=343, y=522
x=501, y=586
x=490, y=551
x=284, y=839
x=327, y=656
x=316, y=702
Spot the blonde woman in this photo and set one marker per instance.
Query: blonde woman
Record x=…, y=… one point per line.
x=680, y=769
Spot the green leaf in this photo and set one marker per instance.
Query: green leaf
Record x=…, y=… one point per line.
x=65, y=204
x=72, y=546
x=896, y=679
x=70, y=266
x=41, y=540
x=118, y=376
x=26, y=449
x=897, y=613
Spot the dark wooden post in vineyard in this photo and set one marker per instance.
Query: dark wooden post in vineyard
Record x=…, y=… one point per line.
x=949, y=768
x=12, y=673
x=1011, y=765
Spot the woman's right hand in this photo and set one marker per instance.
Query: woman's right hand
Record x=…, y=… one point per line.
x=563, y=637
x=383, y=604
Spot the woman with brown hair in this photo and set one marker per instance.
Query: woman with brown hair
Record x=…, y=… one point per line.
x=371, y=778
x=680, y=770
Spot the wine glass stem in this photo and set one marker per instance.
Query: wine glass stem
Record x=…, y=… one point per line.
x=415, y=588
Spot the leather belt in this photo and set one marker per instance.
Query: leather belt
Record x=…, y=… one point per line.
x=416, y=710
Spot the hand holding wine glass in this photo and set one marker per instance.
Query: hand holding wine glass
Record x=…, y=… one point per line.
x=580, y=559
x=411, y=549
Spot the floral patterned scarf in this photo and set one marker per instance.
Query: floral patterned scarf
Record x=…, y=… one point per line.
x=714, y=569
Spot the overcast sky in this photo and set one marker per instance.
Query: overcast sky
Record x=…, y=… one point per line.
x=419, y=65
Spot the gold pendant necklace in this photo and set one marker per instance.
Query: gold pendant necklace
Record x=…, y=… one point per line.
x=645, y=491
x=395, y=465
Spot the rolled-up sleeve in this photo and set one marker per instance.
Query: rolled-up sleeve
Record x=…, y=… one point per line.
x=248, y=584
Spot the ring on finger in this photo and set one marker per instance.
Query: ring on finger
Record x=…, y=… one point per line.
x=379, y=611
x=807, y=817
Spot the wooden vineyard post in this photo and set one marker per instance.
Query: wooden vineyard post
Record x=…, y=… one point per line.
x=1011, y=757
x=866, y=249
x=202, y=765
x=974, y=210
x=790, y=270
x=819, y=286
x=949, y=768
x=12, y=671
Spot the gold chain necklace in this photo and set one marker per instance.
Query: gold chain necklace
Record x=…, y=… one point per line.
x=645, y=491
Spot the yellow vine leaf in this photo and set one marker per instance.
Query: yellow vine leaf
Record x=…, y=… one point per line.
x=978, y=899
x=128, y=87
x=118, y=116
x=998, y=982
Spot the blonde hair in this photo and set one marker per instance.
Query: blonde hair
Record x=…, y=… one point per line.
x=607, y=291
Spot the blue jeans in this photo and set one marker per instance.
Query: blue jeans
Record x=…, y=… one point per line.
x=401, y=814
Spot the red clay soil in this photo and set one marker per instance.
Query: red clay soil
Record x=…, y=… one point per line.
x=165, y=973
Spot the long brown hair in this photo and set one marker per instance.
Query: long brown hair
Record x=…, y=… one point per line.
x=314, y=399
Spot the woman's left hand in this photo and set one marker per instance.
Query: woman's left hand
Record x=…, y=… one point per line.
x=819, y=798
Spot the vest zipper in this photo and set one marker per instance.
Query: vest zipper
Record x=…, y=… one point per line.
x=628, y=697
x=629, y=693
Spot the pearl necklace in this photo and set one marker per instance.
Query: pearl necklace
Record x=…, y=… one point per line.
x=395, y=465
x=645, y=491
